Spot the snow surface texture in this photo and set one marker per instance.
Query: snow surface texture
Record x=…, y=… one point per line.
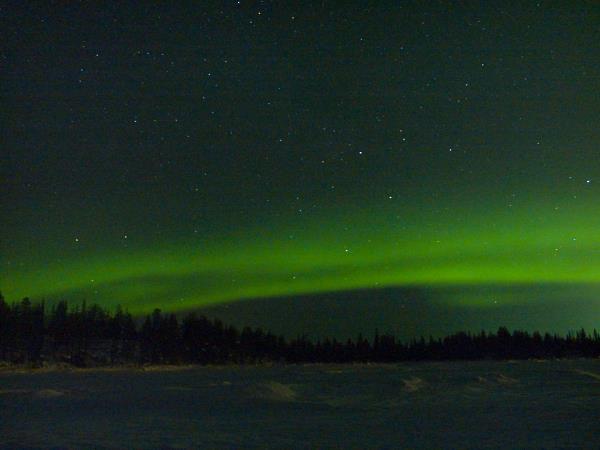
x=528, y=404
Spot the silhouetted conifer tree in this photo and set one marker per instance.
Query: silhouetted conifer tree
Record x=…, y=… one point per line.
x=90, y=335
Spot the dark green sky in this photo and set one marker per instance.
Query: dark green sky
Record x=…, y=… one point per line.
x=191, y=155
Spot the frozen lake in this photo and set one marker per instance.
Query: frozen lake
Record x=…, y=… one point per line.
x=425, y=405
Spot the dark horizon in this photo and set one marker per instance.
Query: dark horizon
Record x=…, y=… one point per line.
x=88, y=336
x=441, y=310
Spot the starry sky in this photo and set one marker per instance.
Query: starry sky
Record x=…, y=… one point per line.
x=192, y=155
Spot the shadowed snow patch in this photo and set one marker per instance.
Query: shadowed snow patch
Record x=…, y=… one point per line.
x=413, y=384
x=14, y=391
x=503, y=379
x=272, y=391
x=595, y=376
x=497, y=379
x=49, y=393
x=180, y=388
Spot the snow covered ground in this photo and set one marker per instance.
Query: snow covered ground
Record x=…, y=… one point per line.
x=528, y=404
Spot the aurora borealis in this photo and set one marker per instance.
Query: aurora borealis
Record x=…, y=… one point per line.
x=194, y=155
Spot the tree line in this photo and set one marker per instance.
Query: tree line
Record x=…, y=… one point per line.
x=92, y=336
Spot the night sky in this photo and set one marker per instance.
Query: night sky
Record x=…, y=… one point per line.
x=182, y=157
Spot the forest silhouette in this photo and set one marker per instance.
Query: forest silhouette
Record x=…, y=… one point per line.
x=89, y=336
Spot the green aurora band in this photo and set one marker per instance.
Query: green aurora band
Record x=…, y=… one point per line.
x=368, y=249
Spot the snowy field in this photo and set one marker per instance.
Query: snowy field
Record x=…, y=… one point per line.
x=552, y=404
